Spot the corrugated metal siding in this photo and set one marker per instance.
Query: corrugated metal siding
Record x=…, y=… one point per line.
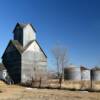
x=85, y=75
x=72, y=74
x=95, y=75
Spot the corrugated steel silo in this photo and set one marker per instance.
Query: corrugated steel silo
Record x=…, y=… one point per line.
x=95, y=74
x=85, y=74
x=72, y=73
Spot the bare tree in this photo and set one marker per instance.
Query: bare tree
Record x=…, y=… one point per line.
x=61, y=59
x=56, y=55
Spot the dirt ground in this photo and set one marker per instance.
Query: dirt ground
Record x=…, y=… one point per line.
x=13, y=92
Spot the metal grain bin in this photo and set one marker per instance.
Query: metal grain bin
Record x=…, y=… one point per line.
x=85, y=74
x=72, y=73
x=71, y=66
x=95, y=74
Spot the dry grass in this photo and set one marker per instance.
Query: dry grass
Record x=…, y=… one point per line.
x=22, y=93
x=70, y=84
x=14, y=92
x=76, y=85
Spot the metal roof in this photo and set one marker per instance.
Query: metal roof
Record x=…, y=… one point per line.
x=83, y=68
x=17, y=45
x=23, y=26
x=20, y=48
x=96, y=68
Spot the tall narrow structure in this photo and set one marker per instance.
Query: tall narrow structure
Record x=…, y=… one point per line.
x=24, y=33
x=23, y=58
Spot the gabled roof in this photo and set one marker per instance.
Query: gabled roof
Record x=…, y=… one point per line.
x=23, y=26
x=17, y=45
x=20, y=48
x=28, y=45
x=41, y=49
x=83, y=68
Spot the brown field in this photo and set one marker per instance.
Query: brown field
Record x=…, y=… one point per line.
x=14, y=92
x=76, y=85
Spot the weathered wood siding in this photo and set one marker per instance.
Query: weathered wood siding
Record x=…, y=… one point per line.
x=28, y=35
x=33, y=62
x=18, y=35
x=12, y=61
x=24, y=59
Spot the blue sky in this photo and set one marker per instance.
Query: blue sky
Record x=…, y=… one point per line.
x=73, y=23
